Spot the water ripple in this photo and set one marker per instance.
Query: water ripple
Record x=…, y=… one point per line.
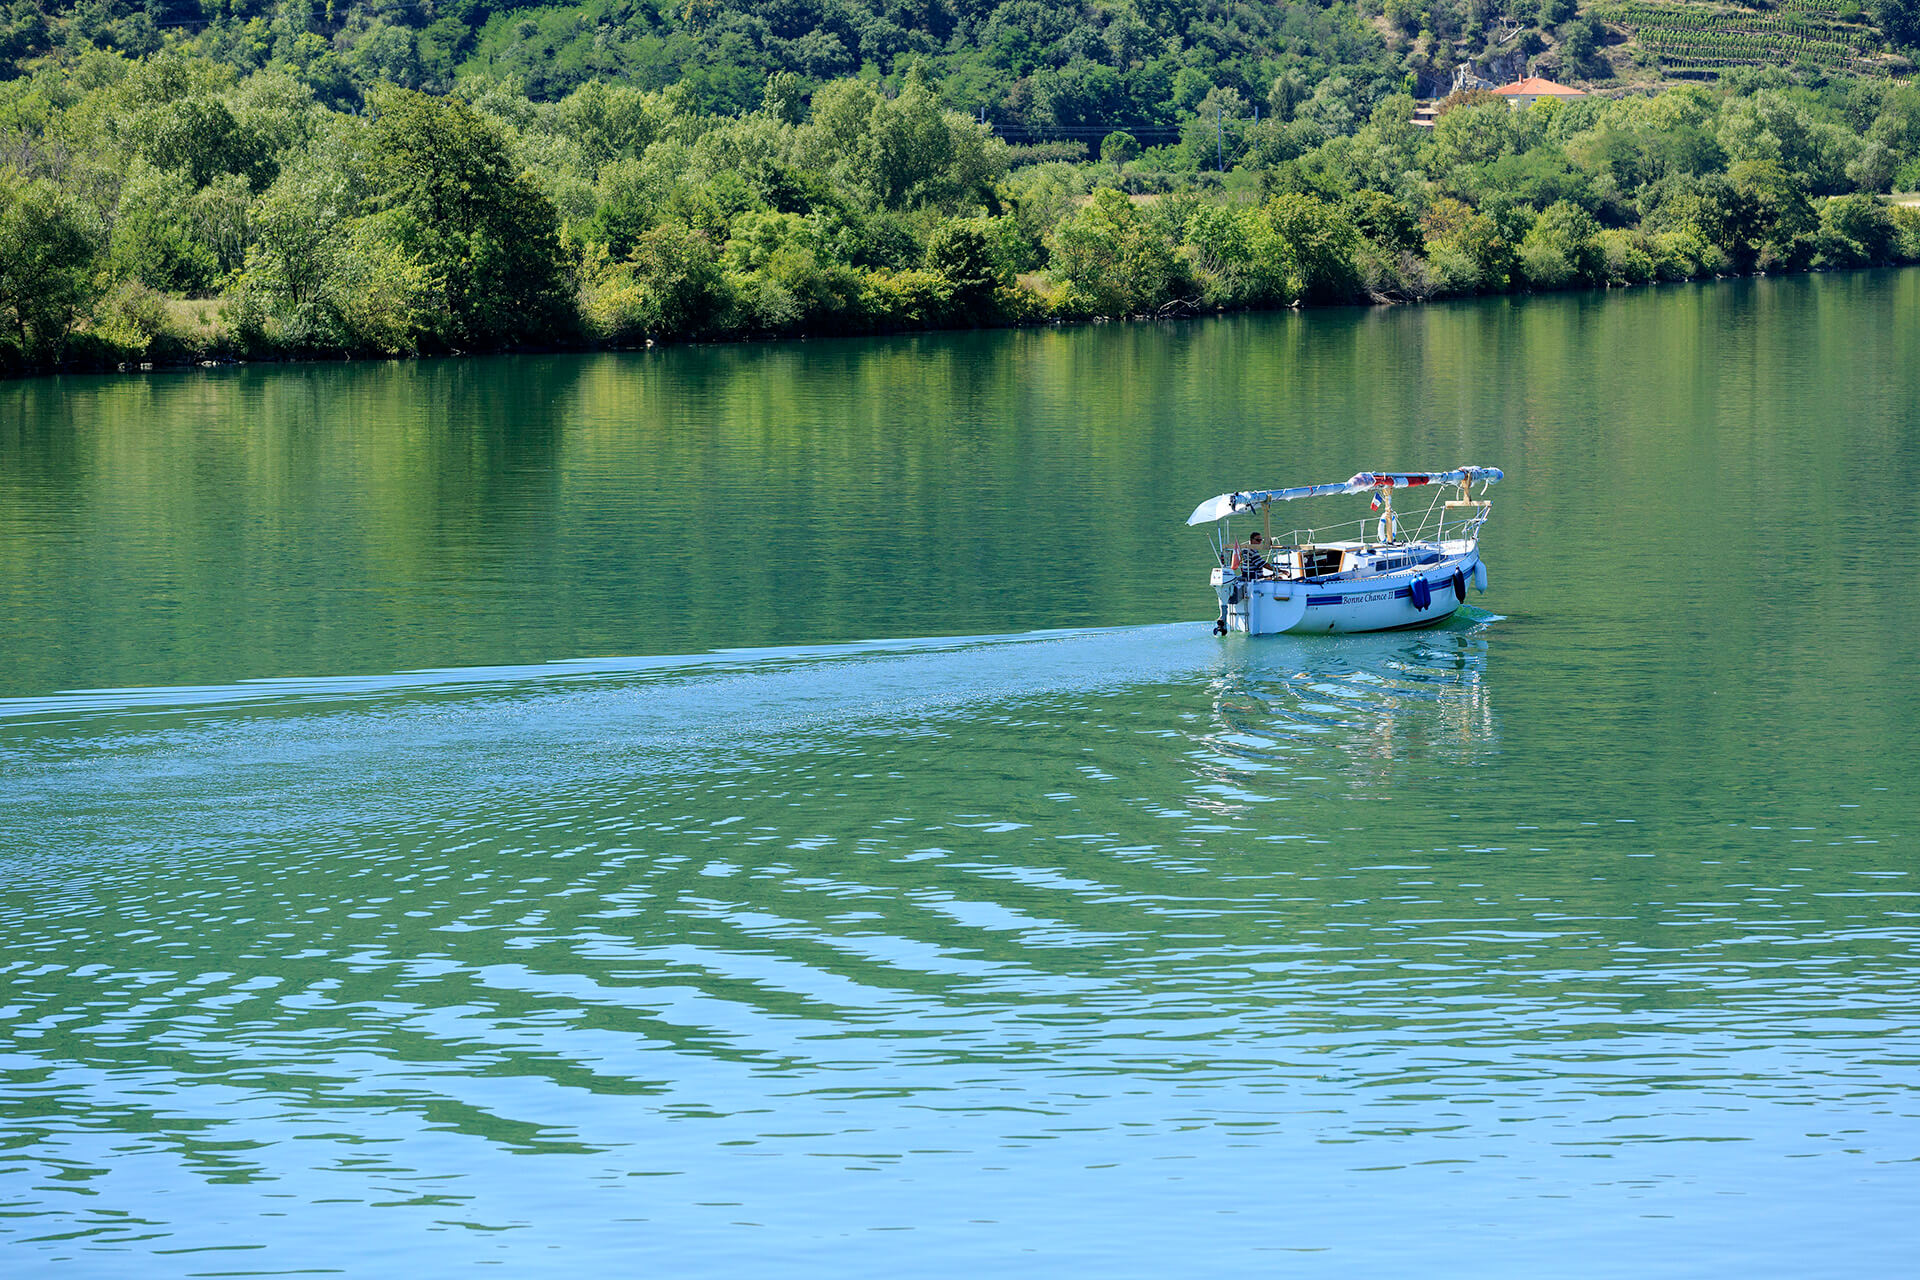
x=344, y=947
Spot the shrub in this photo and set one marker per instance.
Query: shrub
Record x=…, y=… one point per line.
x=1855, y=231
x=1684, y=255
x=1563, y=248
x=133, y=321
x=907, y=299
x=1627, y=261
x=1317, y=241
x=1451, y=270
x=1906, y=233
x=1110, y=263
x=962, y=254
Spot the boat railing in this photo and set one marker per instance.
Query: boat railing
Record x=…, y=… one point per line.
x=1431, y=527
x=1387, y=526
x=1345, y=531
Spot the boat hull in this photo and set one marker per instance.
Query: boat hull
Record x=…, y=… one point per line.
x=1276, y=606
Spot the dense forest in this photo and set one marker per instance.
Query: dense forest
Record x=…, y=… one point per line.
x=180, y=183
x=1025, y=64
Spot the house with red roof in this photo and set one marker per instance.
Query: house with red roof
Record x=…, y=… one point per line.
x=1524, y=93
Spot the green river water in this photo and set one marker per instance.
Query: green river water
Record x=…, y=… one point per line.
x=780, y=810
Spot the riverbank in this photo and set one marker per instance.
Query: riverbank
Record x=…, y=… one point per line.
x=169, y=211
x=218, y=356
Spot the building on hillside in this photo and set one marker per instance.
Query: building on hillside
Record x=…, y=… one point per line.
x=1466, y=79
x=1426, y=115
x=1524, y=93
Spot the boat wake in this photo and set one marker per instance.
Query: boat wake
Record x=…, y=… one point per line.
x=872, y=675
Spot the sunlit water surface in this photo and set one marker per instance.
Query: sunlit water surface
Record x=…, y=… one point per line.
x=1577, y=937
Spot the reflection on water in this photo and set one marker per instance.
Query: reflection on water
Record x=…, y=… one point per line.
x=1133, y=946
x=1374, y=699
x=205, y=527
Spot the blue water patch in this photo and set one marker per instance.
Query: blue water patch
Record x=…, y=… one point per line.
x=1134, y=948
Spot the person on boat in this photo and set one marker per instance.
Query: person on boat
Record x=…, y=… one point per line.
x=1252, y=562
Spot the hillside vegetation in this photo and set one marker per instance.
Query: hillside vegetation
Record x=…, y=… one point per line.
x=1027, y=64
x=1678, y=38
x=253, y=187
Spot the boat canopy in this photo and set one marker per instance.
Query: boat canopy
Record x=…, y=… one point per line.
x=1231, y=503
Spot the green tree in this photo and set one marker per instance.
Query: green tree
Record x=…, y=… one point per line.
x=1111, y=263
x=783, y=99
x=628, y=199
x=912, y=153
x=962, y=254
x=298, y=241
x=1476, y=133
x=1855, y=231
x=481, y=227
x=156, y=235
x=49, y=247
x=1580, y=48
x=1770, y=126
x=608, y=121
x=1385, y=221
x=1474, y=249
x=1898, y=18
x=199, y=136
x=1240, y=261
x=1288, y=91
x=383, y=298
x=1119, y=147
x=1563, y=247
x=1784, y=216
x=673, y=286
x=1317, y=241
x=319, y=276
x=680, y=279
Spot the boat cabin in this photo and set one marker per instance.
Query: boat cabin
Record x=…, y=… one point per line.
x=1329, y=561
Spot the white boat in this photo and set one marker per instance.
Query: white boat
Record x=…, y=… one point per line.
x=1314, y=580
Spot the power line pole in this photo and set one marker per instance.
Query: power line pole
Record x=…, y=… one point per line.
x=1220, y=134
